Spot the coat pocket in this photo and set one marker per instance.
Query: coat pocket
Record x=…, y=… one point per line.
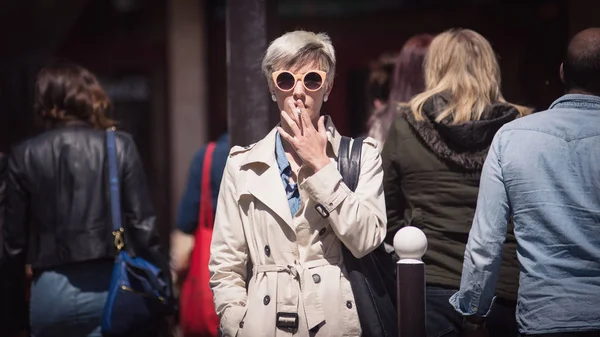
x=240, y=330
x=232, y=321
x=259, y=320
x=347, y=314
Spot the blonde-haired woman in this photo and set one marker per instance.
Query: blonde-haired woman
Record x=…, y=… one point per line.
x=284, y=210
x=432, y=162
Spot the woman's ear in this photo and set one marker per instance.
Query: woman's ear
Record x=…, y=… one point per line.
x=328, y=90
x=329, y=87
x=272, y=92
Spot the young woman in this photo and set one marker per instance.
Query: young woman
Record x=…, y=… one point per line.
x=432, y=161
x=58, y=214
x=284, y=213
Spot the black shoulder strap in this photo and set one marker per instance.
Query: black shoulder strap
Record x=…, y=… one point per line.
x=349, y=161
x=374, y=289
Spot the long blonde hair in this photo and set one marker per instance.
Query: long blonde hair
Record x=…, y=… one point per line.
x=461, y=64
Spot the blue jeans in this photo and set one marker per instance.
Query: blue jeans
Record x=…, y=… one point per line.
x=69, y=300
x=444, y=321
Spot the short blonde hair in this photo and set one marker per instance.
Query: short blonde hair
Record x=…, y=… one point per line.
x=298, y=48
x=462, y=64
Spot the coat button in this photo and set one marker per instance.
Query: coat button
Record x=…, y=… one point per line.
x=316, y=278
x=266, y=300
x=349, y=305
x=322, y=231
x=267, y=250
x=241, y=325
x=322, y=211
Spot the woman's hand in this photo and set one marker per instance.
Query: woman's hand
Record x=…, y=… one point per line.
x=309, y=143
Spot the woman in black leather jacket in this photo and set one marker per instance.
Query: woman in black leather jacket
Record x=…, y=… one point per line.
x=58, y=213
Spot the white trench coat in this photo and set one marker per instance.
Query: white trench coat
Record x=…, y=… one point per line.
x=269, y=268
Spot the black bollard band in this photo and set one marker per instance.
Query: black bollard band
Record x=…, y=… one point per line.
x=411, y=299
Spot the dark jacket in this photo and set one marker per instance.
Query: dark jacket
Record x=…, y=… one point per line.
x=189, y=207
x=431, y=181
x=13, y=307
x=58, y=209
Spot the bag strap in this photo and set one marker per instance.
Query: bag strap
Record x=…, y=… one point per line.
x=349, y=161
x=374, y=302
x=206, y=216
x=115, y=195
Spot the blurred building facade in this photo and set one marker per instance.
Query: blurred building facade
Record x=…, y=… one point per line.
x=164, y=63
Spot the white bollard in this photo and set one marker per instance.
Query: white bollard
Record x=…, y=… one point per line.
x=410, y=244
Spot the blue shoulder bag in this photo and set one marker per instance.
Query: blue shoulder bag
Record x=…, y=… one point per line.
x=138, y=297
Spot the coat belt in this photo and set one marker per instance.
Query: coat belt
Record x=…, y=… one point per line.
x=313, y=309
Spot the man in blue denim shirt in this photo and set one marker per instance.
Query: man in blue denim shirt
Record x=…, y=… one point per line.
x=544, y=170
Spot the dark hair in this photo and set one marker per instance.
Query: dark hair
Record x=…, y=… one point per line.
x=378, y=83
x=581, y=70
x=581, y=65
x=409, y=79
x=67, y=92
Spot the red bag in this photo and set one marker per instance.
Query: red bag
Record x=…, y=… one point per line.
x=198, y=317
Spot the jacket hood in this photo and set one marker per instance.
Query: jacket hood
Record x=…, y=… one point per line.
x=465, y=144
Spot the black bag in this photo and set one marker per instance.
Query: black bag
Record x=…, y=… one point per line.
x=372, y=277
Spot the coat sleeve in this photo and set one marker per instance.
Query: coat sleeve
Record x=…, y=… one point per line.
x=483, y=253
x=394, y=198
x=140, y=219
x=358, y=218
x=17, y=210
x=229, y=257
x=14, y=205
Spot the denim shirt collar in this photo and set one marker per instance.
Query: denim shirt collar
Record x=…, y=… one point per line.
x=280, y=156
x=577, y=101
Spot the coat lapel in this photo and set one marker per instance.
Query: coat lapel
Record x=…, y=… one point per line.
x=265, y=185
x=268, y=188
x=333, y=137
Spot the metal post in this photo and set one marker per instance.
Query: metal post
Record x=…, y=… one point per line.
x=250, y=111
x=410, y=244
